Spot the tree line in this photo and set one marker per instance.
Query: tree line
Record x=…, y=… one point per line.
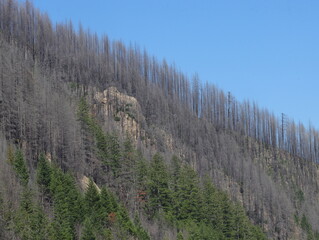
x=172, y=195
x=57, y=209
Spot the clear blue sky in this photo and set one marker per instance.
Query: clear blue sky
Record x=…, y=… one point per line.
x=261, y=50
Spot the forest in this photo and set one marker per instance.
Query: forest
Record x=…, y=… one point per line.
x=87, y=59
x=202, y=166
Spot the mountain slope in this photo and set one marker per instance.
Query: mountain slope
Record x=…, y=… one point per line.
x=41, y=195
x=50, y=72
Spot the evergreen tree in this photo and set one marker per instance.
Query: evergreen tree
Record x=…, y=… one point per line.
x=159, y=194
x=212, y=212
x=43, y=174
x=91, y=199
x=228, y=219
x=180, y=236
x=67, y=204
x=83, y=111
x=90, y=126
x=30, y=221
x=61, y=229
x=188, y=199
x=125, y=221
x=205, y=232
x=20, y=167
x=105, y=207
x=140, y=232
x=255, y=232
x=88, y=231
x=114, y=202
x=242, y=230
x=142, y=174
x=176, y=168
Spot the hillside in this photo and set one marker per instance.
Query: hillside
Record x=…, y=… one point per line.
x=102, y=141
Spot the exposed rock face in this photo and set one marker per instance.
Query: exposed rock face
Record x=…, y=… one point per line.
x=85, y=183
x=126, y=113
x=125, y=110
x=48, y=157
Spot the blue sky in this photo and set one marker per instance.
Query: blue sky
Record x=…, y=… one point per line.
x=262, y=50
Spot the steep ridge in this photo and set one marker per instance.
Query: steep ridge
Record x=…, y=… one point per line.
x=46, y=127
x=41, y=87
x=266, y=181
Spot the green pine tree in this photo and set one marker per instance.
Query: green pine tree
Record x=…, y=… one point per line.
x=83, y=111
x=125, y=221
x=43, y=174
x=20, y=167
x=67, y=204
x=212, y=211
x=228, y=220
x=29, y=219
x=91, y=199
x=176, y=169
x=187, y=196
x=141, y=234
x=88, y=231
x=180, y=236
x=202, y=231
x=242, y=229
x=142, y=173
x=159, y=193
x=105, y=207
